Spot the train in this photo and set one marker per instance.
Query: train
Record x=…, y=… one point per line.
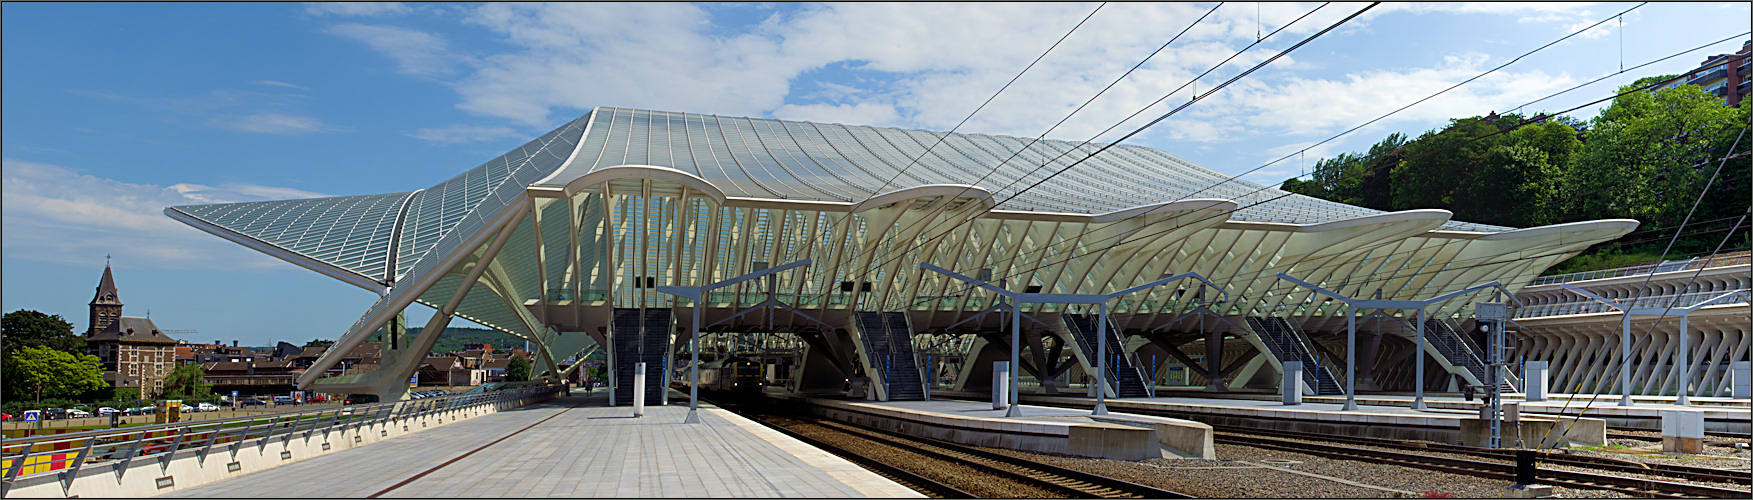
x=736, y=375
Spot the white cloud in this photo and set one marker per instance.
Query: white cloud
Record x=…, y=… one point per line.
x=929, y=65
x=416, y=52
x=280, y=84
x=864, y=113
x=355, y=8
x=466, y=133
x=268, y=123
x=50, y=213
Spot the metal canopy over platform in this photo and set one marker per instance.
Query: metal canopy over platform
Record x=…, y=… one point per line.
x=545, y=241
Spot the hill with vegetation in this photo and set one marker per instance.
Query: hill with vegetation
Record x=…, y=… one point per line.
x=1647, y=156
x=454, y=338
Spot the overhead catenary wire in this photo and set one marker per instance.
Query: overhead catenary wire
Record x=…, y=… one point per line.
x=1626, y=391
x=989, y=100
x=1138, y=130
x=995, y=168
x=1353, y=129
x=1136, y=236
x=1369, y=170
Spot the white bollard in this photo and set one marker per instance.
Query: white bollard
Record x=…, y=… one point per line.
x=1535, y=380
x=1743, y=375
x=1293, y=382
x=1682, y=431
x=639, y=389
x=1000, y=385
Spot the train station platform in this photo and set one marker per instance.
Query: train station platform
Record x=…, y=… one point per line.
x=1726, y=415
x=1043, y=429
x=573, y=446
x=1181, y=425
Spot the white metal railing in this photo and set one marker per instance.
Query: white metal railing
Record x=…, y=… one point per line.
x=122, y=448
x=1663, y=267
x=1586, y=306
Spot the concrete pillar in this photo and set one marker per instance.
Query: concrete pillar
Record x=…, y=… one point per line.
x=1743, y=380
x=639, y=389
x=1292, y=389
x=1214, y=362
x=1000, y=385
x=1366, y=362
x=1535, y=380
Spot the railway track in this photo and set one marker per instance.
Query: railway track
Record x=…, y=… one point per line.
x=1604, y=464
x=1055, y=481
x=1642, y=487
x=1652, y=480
x=930, y=487
x=1073, y=483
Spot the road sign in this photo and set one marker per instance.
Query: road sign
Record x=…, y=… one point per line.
x=32, y=415
x=414, y=381
x=233, y=396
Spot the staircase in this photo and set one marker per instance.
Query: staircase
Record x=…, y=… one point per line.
x=1122, y=375
x=1288, y=344
x=641, y=336
x=888, y=345
x=1461, y=352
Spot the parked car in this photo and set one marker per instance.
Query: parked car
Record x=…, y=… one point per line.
x=206, y=407
x=317, y=399
x=285, y=400
x=359, y=399
x=253, y=402
x=105, y=411
x=77, y=413
x=5, y=417
x=147, y=410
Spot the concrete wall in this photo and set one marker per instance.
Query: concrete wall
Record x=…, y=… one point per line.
x=156, y=475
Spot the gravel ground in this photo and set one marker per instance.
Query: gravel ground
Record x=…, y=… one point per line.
x=1237, y=477
x=1650, y=452
x=1641, y=432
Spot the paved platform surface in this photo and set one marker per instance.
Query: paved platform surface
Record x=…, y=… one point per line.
x=583, y=449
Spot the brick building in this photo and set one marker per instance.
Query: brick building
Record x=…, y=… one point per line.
x=134, y=351
x=1725, y=75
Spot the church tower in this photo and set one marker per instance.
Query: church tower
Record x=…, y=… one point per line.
x=106, y=308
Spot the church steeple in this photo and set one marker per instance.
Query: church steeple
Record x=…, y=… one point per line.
x=106, y=307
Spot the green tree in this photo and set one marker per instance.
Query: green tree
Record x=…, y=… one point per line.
x=36, y=372
x=1438, y=162
x=27, y=328
x=1650, y=154
x=186, y=382
x=518, y=370
x=1353, y=178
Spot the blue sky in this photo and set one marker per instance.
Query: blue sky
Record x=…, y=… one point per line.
x=112, y=111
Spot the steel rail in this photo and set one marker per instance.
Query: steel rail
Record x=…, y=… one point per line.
x=1493, y=470
x=922, y=484
x=1601, y=463
x=1099, y=482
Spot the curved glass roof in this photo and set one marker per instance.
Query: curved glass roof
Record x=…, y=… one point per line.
x=757, y=158
x=349, y=232
x=763, y=158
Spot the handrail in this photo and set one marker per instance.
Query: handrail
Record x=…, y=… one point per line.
x=1585, y=306
x=123, y=445
x=1725, y=260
